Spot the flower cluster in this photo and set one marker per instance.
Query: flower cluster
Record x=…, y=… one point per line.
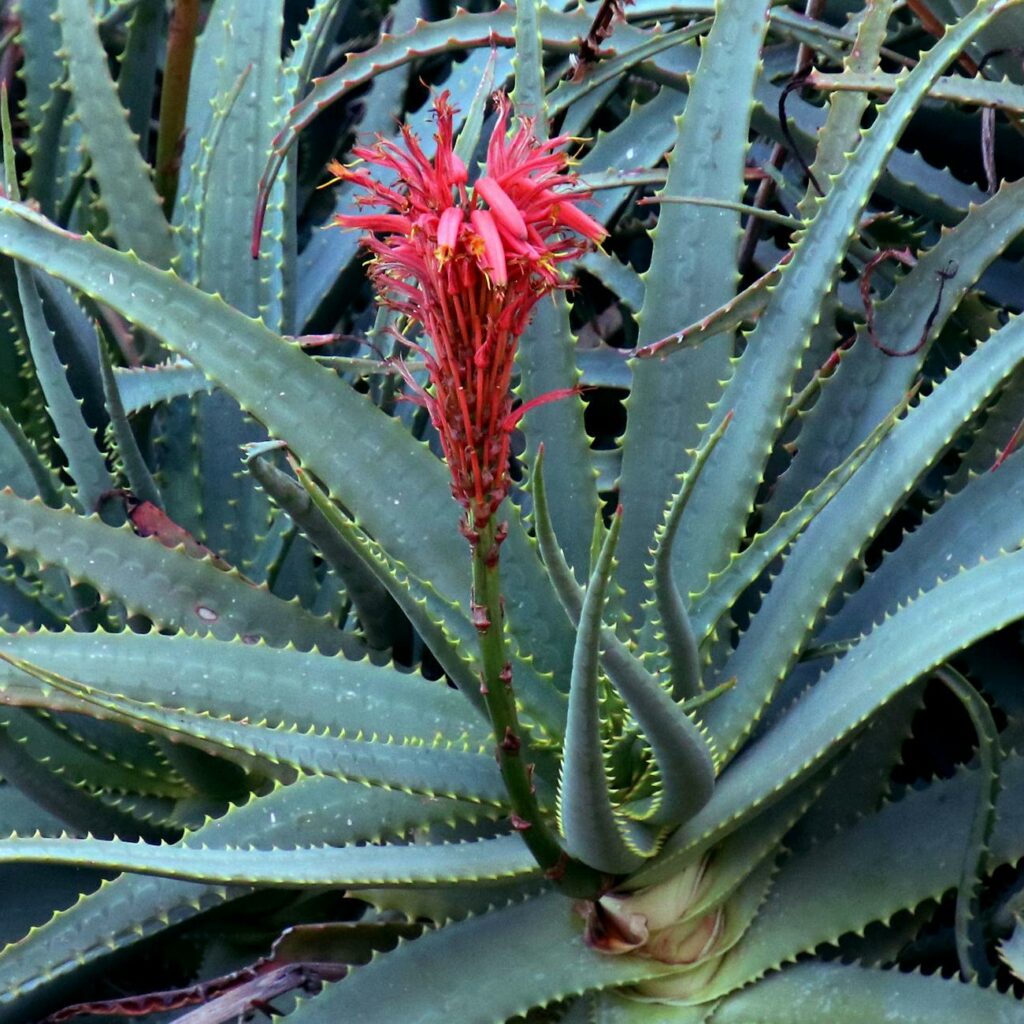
x=467, y=263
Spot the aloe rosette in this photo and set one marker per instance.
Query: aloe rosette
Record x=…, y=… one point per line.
x=659, y=744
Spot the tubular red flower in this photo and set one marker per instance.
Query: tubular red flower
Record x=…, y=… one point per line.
x=502, y=207
x=375, y=222
x=448, y=227
x=494, y=251
x=467, y=264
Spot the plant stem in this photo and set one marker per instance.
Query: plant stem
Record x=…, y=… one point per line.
x=181, y=45
x=511, y=749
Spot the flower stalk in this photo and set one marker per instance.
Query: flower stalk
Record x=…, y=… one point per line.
x=511, y=745
x=465, y=264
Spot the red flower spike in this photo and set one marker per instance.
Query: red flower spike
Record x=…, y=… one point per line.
x=468, y=264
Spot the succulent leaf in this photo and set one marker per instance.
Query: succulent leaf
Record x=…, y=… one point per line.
x=593, y=831
x=349, y=867
x=130, y=201
x=804, y=739
x=686, y=282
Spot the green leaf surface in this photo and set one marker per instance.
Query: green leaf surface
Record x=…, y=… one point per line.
x=21, y=467
x=349, y=867
x=836, y=538
x=136, y=79
x=587, y=818
x=528, y=99
x=747, y=305
x=319, y=32
x=169, y=586
x=683, y=754
x=669, y=402
x=868, y=382
x=979, y=92
x=242, y=681
x=620, y=279
x=226, y=145
x=744, y=569
x=132, y=907
x=945, y=543
x=762, y=382
x=612, y=1008
x=681, y=647
x=907, y=179
x=841, y=132
x=468, y=139
x=140, y=480
x=85, y=464
x=926, y=633
x=73, y=434
x=329, y=252
x=27, y=764
x=811, y=993
x=532, y=953
x=442, y=624
x=546, y=361
x=923, y=836
x=968, y=928
x=39, y=37
x=569, y=91
x=379, y=617
x=46, y=101
x=77, y=757
x=427, y=765
x=147, y=386
x=639, y=142
x=126, y=189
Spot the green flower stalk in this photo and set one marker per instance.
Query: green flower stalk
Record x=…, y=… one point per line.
x=466, y=264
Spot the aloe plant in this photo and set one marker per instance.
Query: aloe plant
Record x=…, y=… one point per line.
x=257, y=665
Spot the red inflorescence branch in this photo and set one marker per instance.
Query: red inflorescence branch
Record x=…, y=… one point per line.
x=467, y=263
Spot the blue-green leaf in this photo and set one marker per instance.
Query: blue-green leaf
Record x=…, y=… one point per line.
x=134, y=907
x=126, y=188
x=925, y=634
x=248, y=681
x=764, y=377
x=349, y=867
x=593, y=831
x=169, y=586
x=532, y=953
x=669, y=401
x=812, y=993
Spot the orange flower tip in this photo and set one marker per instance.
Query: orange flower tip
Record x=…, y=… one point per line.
x=338, y=172
x=502, y=207
x=494, y=251
x=573, y=217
